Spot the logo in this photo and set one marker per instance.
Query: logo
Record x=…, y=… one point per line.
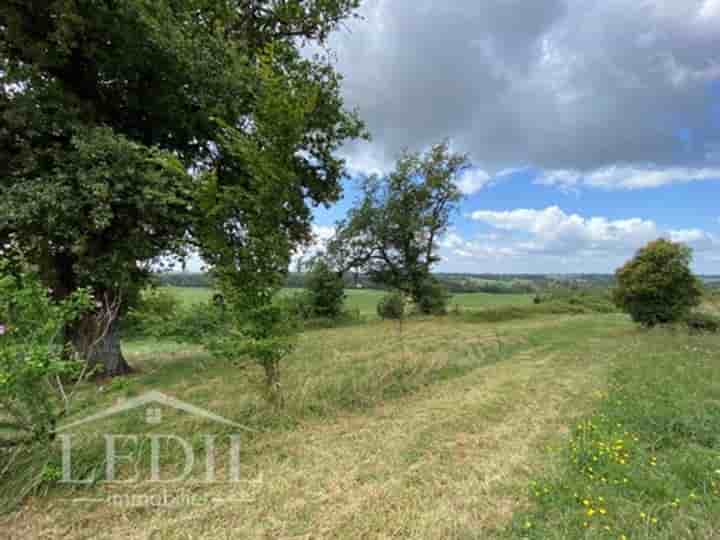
x=151, y=457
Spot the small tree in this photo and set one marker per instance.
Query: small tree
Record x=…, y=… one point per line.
x=392, y=234
x=657, y=285
x=392, y=306
x=433, y=297
x=263, y=329
x=326, y=290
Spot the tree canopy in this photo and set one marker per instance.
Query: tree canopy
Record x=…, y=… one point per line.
x=131, y=130
x=657, y=286
x=392, y=233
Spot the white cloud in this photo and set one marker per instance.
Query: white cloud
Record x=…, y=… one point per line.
x=321, y=235
x=709, y=10
x=473, y=181
x=550, y=240
x=627, y=177
x=553, y=231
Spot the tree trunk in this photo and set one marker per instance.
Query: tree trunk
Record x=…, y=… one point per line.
x=99, y=344
x=272, y=378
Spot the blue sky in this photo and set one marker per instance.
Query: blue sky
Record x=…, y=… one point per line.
x=593, y=125
x=677, y=208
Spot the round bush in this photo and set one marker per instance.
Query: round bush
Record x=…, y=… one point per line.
x=432, y=298
x=657, y=285
x=392, y=306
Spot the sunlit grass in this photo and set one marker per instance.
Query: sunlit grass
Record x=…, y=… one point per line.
x=365, y=301
x=453, y=429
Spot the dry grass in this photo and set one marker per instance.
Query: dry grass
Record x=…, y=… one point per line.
x=447, y=456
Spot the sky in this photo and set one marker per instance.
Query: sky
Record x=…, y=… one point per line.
x=593, y=126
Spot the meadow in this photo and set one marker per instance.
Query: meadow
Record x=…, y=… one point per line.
x=365, y=301
x=572, y=424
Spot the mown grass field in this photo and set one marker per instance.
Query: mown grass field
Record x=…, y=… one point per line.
x=457, y=429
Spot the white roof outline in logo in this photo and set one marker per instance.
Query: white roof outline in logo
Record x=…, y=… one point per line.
x=153, y=397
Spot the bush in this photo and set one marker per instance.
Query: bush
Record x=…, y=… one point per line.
x=197, y=322
x=154, y=314
x=34, y=362
x=301, y=306
x=160, y=315
x=657, y=285
x=392, y=306
x=325, y=291
x=702, y=322
x=432, y=298
x=260, y=327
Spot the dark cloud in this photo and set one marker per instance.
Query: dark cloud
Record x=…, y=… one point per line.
x=558, y=84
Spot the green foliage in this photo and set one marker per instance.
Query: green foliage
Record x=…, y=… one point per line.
x=33, y=365
x=432, y=297
x=542, y=306
x=262, y=328
x=154, y=314
x=159, y=314
x=593, y=299
x=702, y=322
x=392, y=234
x=185, y=279
x=392, y=306
x=106, y=106
x=657, y=285
x=325, y=291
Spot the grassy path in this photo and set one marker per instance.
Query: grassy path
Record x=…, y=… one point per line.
x=450, y=461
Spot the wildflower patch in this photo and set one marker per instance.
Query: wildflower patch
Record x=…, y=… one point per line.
x=645, y=464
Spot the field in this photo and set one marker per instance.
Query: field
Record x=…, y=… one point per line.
x=365, y=301
x=453, y=429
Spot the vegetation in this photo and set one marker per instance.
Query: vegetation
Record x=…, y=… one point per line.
x=325, y=291
x=657, y=285
x=645, y=464
x=134, y=133
x=392, y=234
x=528, y=380
x=107, y=106
x=33, y=371
x=432, y=298
x=392, y=306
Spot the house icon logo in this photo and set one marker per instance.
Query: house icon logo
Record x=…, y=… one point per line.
x=153, y=415
x=130, y=451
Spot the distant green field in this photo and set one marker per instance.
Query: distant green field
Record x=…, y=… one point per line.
x=367, y=300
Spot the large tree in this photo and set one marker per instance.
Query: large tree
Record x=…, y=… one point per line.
x=132, y=129
x=392, y=233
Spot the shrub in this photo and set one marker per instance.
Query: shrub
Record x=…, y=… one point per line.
x=301, y=306
x=34, y=362
x=325, y=291
x=160, y=315
x=432, y=298
x=702, y=322
x=260, y=327
x=197, y=322
x=392, y=306
x=154, y=314
x=657, y=285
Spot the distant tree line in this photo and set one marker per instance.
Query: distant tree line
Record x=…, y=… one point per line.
x=452, y=282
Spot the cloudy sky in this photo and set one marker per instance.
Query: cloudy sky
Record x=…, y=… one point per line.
x=593, y=125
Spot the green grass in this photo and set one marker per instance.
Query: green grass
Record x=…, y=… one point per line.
x=646, y=464
x=365, y=301
x=454, y=429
